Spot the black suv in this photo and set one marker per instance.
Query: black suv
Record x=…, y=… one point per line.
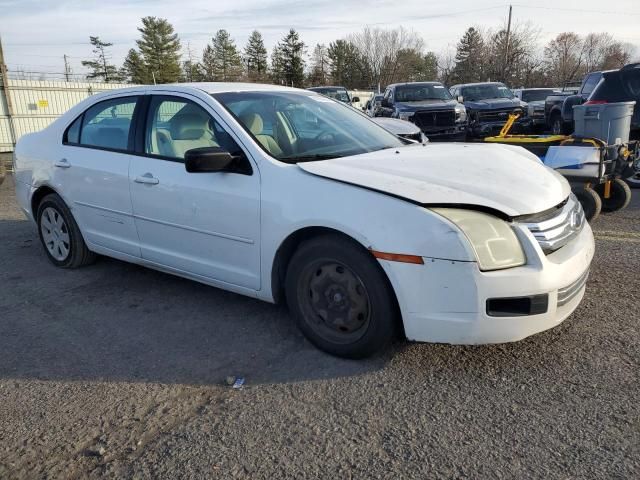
x=427, y=104
x=488, y=106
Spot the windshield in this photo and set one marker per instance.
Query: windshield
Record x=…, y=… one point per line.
x=418, y=93
x=536, y=95
x=339, y=94
x=295, y=127
x=483, y=92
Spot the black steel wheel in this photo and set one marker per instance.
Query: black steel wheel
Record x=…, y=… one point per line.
x=590, y=201
x=340, y=297
x=619, y=195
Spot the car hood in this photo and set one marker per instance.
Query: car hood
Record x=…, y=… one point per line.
x=424, y=105
x=505, y=178
x=396, y=126
x=492, y=103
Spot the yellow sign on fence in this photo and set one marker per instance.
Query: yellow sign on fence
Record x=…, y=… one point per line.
x=43, y=103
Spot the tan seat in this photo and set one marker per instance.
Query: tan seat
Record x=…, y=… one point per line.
x=254, y=123
x=188, y=131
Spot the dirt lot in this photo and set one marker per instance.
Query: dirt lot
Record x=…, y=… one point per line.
x=115, y=370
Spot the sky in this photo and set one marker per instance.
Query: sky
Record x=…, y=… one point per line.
x=37, y=33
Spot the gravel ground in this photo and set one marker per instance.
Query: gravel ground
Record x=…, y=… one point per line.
x=115, y=370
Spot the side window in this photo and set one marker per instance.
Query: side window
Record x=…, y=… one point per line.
x=590, y=83
x=72, y=135
x=107, y=124
x=176, y=125
x=387, y=96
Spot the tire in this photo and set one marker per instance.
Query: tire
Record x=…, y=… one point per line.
x=557, y=125
x=634, y=180
x=591, y=203
x=619, y=198
x=340, y=297
x=60, y=235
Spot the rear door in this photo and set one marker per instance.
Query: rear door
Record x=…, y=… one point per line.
x=92, y=173
x=202, y=224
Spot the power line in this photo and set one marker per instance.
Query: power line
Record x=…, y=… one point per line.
x=578, y=10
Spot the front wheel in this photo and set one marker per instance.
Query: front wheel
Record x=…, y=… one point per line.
x=591, y=203
x=340, y=297
x=60, y=235
x=557, y=126
x=619, y=195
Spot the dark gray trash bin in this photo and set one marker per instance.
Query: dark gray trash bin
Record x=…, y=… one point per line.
x=607, y=121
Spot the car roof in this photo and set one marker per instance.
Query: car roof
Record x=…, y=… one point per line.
x=477, y=84
x=207, y=87
x=325, y=87
x=393, y=85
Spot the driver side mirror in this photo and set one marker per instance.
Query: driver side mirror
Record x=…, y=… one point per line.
x=207, y=160
x=355, y=100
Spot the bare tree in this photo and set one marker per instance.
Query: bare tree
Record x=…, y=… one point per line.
x=380, y=50
x=565, y=58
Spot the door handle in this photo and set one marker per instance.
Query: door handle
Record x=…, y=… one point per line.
x=147, y=179
x=62, y=163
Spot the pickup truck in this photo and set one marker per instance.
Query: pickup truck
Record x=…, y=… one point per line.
x=558, y=108
x=488, y=106
x=427, y=104
x=535, y=99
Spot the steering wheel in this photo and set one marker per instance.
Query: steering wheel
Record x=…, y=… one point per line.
x=324, y=137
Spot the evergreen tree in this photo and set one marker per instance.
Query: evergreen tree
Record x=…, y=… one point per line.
x=287, y=60
x=221, y=60
x=255, y=57
x=100, y=66
x=160, y=50
x=133, y=70
x=470, y=56
x=320, y=65
x=347, y=67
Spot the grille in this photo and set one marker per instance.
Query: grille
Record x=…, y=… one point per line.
x=555, y=229
x=437, y=119
x=495, y=115
x=567, y=293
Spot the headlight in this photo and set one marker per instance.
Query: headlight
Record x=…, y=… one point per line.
x=461, y=113
x=405, y=115
x=493, y=240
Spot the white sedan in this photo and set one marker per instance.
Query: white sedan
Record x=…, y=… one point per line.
x=284, y=194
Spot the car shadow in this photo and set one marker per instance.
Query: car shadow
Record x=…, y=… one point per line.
x=118, y=321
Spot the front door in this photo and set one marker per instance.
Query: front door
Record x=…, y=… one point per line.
x=202, y=224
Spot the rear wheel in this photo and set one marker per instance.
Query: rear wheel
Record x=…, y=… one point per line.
x=60, y=235
x=340, y=297
x=591, y=203
x=619, y=195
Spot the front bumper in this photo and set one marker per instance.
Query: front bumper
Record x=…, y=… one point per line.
x=445, y=301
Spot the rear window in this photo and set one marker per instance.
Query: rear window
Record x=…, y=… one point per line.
x=618, y=87
x=590, y=83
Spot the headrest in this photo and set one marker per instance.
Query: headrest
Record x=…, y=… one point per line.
x=253, y=122
x=188, y=126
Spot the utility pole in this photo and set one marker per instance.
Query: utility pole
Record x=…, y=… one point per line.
x=67, y=70
x=506, y=48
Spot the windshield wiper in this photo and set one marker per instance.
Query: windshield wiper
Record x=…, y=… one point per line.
x=309, y=158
